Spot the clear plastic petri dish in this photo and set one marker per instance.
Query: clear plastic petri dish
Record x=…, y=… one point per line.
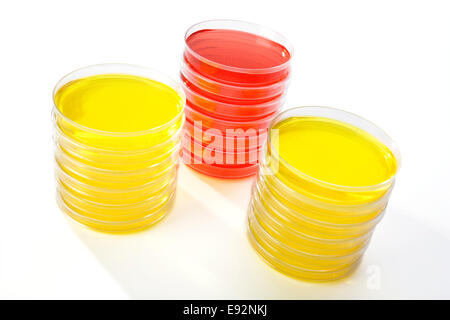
x=117, y=133
x=240, y=140
x=322, y=210
x=224, y=171
x=222, y=143
x=231, y=111
x=115, y=196
x=116, y=139
x=303, y=238
x=115, y=180
x=298, y=258
x=103, y=166
x=301, y=220
x=113, y=159
x=320, y=190
x=122, y=226
x=293, y=212
x=114, y=212
x=297, y=272
x=228, y=93
x=237, y=52
x=254, y=125
x=213, y=155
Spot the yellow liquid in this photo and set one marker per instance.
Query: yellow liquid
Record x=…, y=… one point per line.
x=117, y=154
x=118, y=103
x=334, y=152
x=327, y=161
x=311, y=214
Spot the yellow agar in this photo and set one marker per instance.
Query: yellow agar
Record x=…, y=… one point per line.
x=117, y=154
x=118, y=102
x=334, y=152
x=330, y=161
x=313, y=210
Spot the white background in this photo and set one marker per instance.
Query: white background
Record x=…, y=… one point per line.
x=388, y=61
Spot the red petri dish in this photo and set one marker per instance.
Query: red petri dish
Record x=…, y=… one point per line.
x=232, y=93
x=249, y=126
x=227, y=171
x=240, y=141
x=212, y=155
x=189, y=142
x=237, y=52
x=241, y=111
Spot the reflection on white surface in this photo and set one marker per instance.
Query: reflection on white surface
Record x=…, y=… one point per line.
x=200, y=251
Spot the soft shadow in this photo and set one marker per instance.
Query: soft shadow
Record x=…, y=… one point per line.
x=194, y=254
x=157, y=262
x=201, y=251
x=236, y=190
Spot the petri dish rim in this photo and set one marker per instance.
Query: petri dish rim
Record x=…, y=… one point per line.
x=257, y=246
x=319, y=223
x=64, y=207
x=279, y=99
x=239, y=25
x=59, y=134
x=327, y=112
x=264, y=170
x=59, y=171
x=185, y=70
x=227, y=124
x=119, y=68
x=256, y=203
x=272, y=240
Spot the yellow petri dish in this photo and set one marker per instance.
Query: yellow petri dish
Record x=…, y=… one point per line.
x=116, y=196
x=118, y=107
x=335, y=215
x=113, y=179
x=303, y=235
x=116, y=160
x=114, y=212
x=113, y=225
x=324, y=183
x=117, y=134
x=299, y=258
x=326, y=274
x=332, y=156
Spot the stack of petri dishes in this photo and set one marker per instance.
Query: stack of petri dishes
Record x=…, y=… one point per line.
x=117, y=133
x=235, y=75
x=323, y=185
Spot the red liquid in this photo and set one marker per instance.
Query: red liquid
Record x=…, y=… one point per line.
x=231, y=94
x=215, y=155
x=231, y=144
x=230, y=171
x=232, y=80
x=227, y=111
x=193, y=115
x=260, y=60
x=224, y=172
